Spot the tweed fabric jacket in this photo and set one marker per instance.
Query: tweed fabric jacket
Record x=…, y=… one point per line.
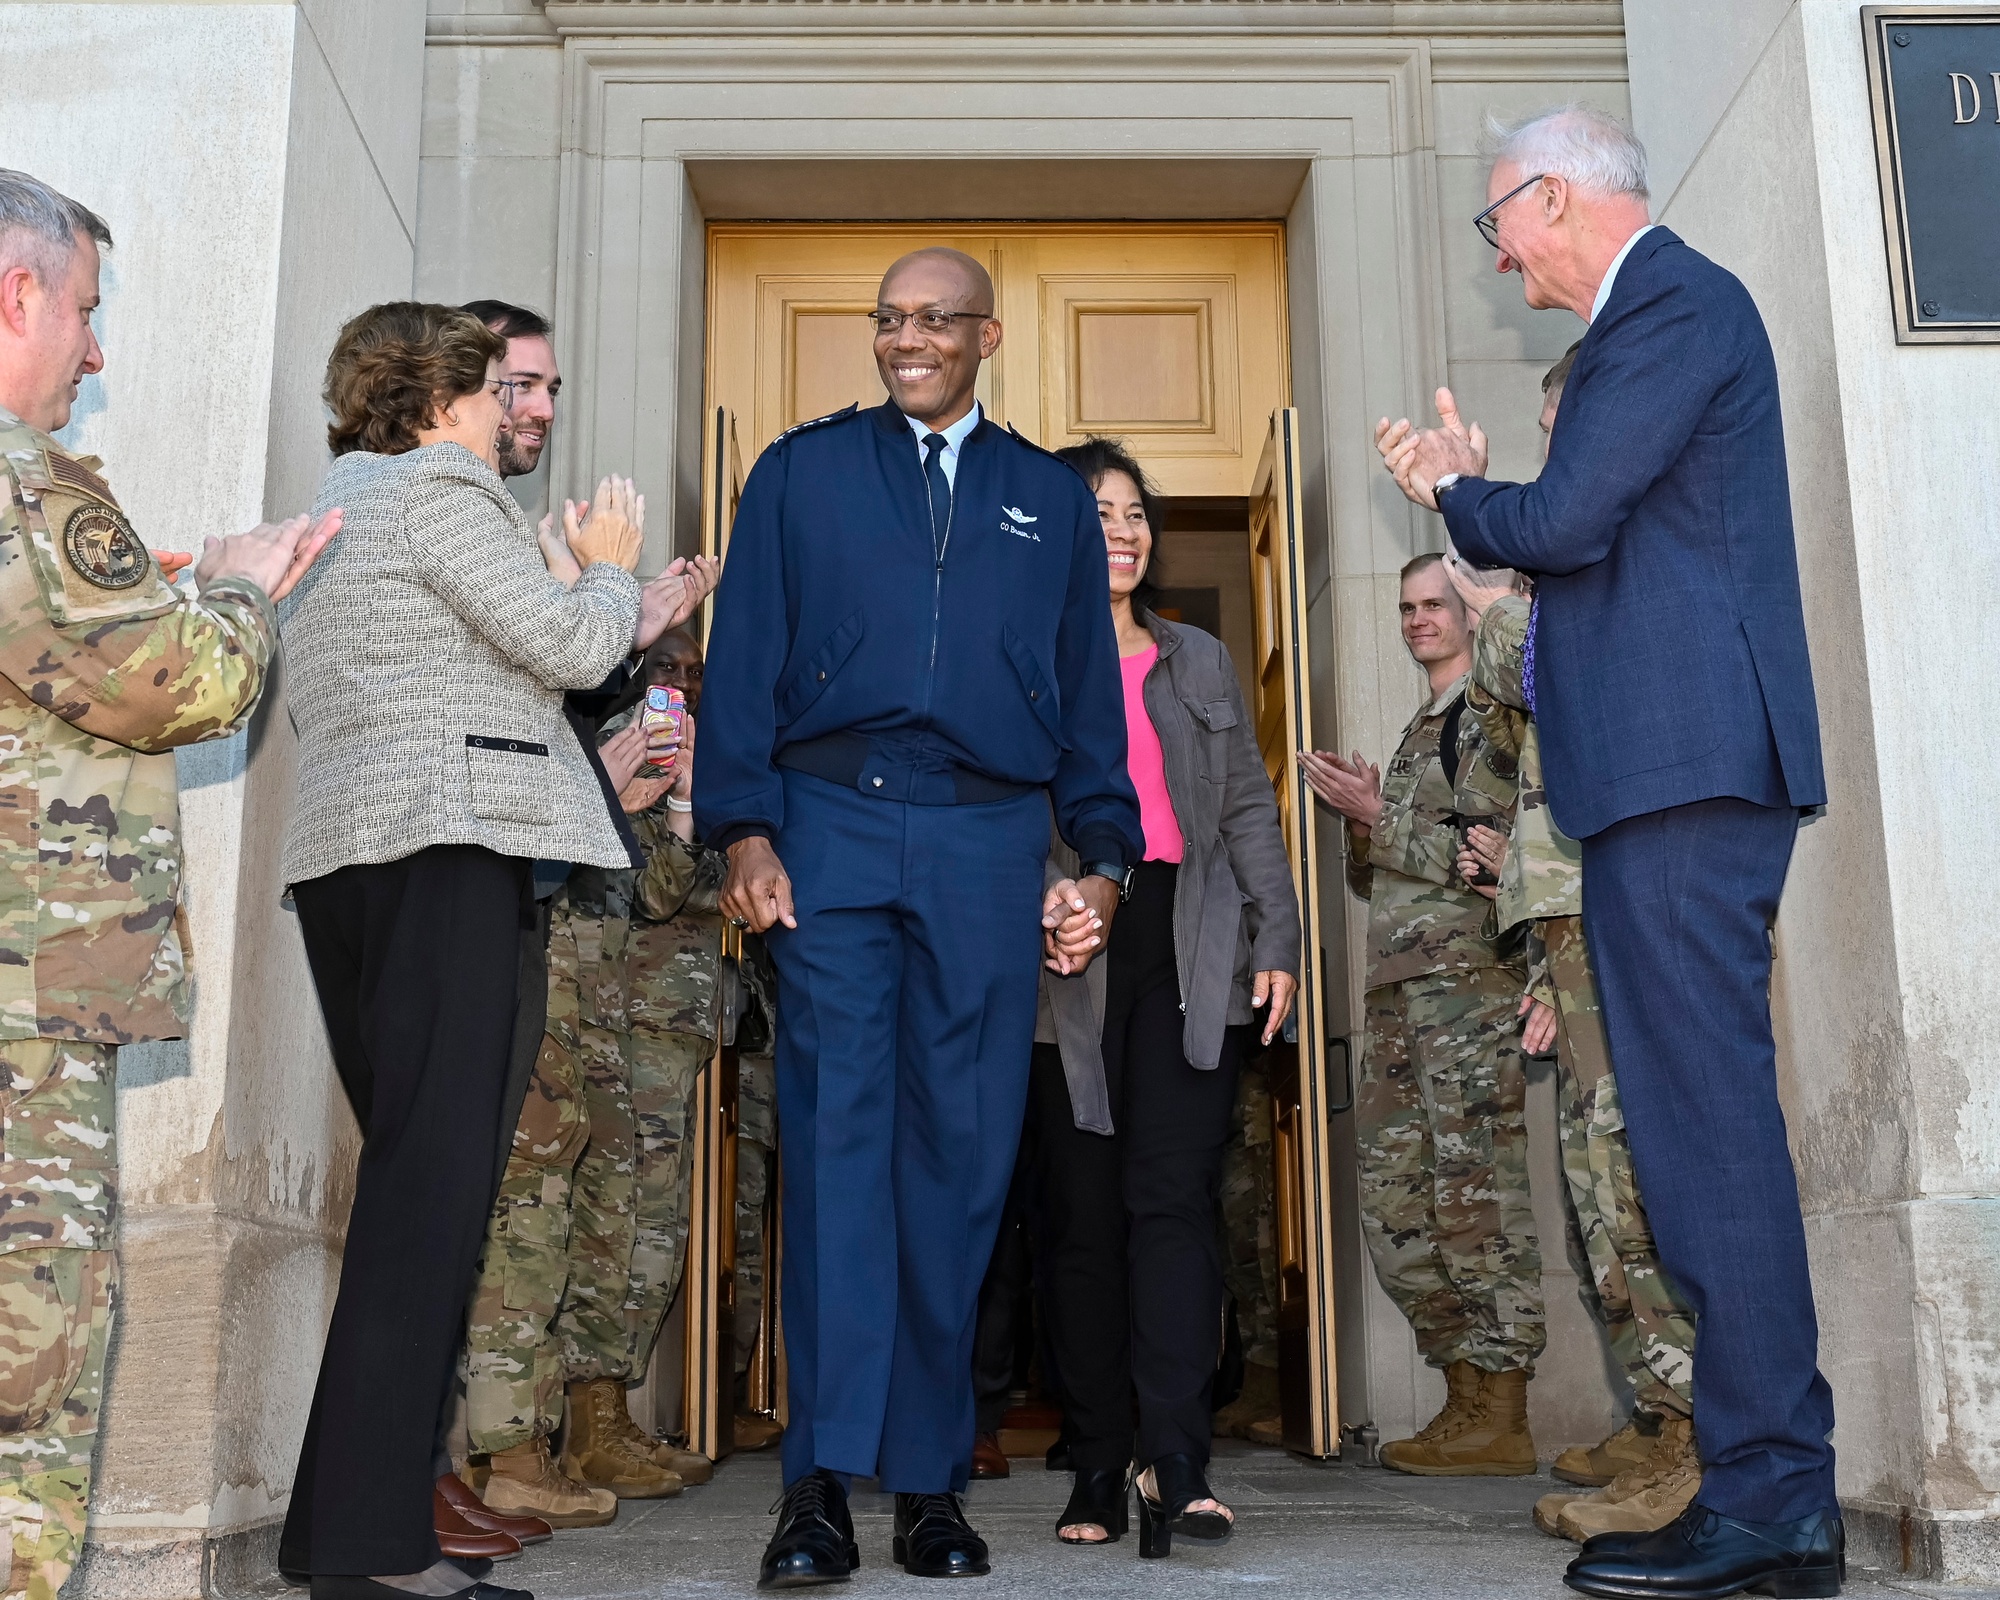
x=426, y=655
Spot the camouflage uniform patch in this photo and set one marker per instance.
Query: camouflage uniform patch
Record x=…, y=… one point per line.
x=1249, y=1219
x=513, y=1387
x=1441, y=1122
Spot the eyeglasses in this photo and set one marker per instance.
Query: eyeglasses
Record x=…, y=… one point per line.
x=506, y=388
x=930, y=319
x=1488, y=225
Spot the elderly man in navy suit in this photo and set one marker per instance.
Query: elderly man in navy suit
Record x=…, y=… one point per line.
x=1667, y=657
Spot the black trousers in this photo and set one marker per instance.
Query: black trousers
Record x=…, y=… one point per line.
x=417, y=963
x=1131, y=1222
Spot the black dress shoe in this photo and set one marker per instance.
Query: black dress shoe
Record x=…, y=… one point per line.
x=933, y=1539
x=340, y=1586
x=1704, y=1555
x=814, y=1541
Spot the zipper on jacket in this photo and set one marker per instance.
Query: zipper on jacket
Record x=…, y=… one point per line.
x=937, y=581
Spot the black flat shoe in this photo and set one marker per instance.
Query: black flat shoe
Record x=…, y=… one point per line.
x=341, y=1586
x=1100, y=1495
x=1704, y=1555
x=933, y=1539
x=1181, y=1482
x=814, y=1541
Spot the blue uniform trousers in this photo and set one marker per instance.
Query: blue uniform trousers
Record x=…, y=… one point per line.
x=1677, y=905
x=906, y=1013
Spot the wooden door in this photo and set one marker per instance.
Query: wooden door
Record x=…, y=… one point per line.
x=1300, y=1103
x=1172, y=338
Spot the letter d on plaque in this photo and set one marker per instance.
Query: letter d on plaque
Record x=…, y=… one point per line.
x=1960, y=82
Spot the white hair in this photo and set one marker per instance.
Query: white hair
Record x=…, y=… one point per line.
x=39, y=227
x=1591, y=150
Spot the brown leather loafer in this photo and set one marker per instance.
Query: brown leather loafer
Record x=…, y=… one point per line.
x=451, y=1490
x=987, y=1459
x=461, y=1541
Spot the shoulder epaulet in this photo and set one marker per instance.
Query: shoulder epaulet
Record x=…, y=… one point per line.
x=818, y=422
x=1038, y=449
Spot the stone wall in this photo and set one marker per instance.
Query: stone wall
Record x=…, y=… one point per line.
x=257, y=164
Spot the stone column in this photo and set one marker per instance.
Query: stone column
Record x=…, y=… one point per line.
x=257, y=164
x=1757, y=116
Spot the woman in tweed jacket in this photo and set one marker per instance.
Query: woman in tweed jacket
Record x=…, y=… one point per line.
x=425, y=664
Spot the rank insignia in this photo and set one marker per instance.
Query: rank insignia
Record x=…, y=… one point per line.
x=102, y=547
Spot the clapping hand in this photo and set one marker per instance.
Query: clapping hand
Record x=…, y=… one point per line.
x=1350, y=785
x=556, y=553
x=610, y=529
x=1476, y=594
x=674, y=596
x=272, y=555
x=1418, y=457
x=1485, y=850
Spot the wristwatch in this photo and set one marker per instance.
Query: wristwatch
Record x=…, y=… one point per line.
x=1445, y=483
x=1122, y=876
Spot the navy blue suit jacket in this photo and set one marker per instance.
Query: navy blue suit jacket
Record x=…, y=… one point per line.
x=835, y=616
x=1670, y=650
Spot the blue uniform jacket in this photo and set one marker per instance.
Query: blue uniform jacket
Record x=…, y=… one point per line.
x=1670, y=646
x=835, y=615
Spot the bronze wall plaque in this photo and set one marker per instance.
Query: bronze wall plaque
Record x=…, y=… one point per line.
x=1934, y=78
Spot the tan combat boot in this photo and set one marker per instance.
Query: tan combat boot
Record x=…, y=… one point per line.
x=686, y=1465
x=597, y=1451
x=1257, y=1403
x=1595, y=1465
x=524, y=1482
x=1461, y=1399
x=1490, y=1441
x=1643, y=1498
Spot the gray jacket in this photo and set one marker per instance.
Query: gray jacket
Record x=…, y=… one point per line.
x=1235, y=910
x=426, y=655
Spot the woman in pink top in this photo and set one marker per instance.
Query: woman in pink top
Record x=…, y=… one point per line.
x=1131, y=1106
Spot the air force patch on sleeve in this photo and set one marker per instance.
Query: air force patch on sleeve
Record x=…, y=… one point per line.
x=103, y=548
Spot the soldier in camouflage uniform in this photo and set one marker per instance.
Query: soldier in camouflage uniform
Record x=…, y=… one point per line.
x=105, y=669
x=756, y=1163
x=1440, y=1110
x=1648, y=1470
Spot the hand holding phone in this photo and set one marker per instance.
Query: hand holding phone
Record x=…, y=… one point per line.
x=662, y=718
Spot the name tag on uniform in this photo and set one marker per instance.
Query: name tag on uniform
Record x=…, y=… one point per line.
x=1016, y=522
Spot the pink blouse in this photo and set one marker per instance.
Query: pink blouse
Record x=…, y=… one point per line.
x=1147, y=763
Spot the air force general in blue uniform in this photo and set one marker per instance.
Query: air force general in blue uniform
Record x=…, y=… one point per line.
x=912, y=659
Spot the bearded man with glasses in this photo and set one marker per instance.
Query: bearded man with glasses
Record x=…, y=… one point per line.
x=912, y=662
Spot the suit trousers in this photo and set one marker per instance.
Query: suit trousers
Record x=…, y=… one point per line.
x=1678, y=907
x=1132, y=1220
x=906, y=1011
x=417, y=964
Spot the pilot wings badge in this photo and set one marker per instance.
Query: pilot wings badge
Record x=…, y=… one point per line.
x=1015, y=521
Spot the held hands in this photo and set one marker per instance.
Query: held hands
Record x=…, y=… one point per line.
x=1076, y=920
x=1418, y=457
x=1278, y=988
x=1538, y=1033
x=272, y=555
x=1350, y=785
x=757, y=893
x=674, y=596
x=1486, y=852
x=610, y=528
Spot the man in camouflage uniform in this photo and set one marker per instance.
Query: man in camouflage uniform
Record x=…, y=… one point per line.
x=105, y=668
x=756, y=1160
x=1649, y=1470
x=1440, y=1111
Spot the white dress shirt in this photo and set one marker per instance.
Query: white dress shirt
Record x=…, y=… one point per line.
x=1611, y=272
x=954, y=436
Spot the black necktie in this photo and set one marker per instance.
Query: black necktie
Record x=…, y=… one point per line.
x=940, y=491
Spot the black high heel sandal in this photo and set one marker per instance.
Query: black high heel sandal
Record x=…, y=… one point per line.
x=1181, y=1482
x=1099, y=1495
